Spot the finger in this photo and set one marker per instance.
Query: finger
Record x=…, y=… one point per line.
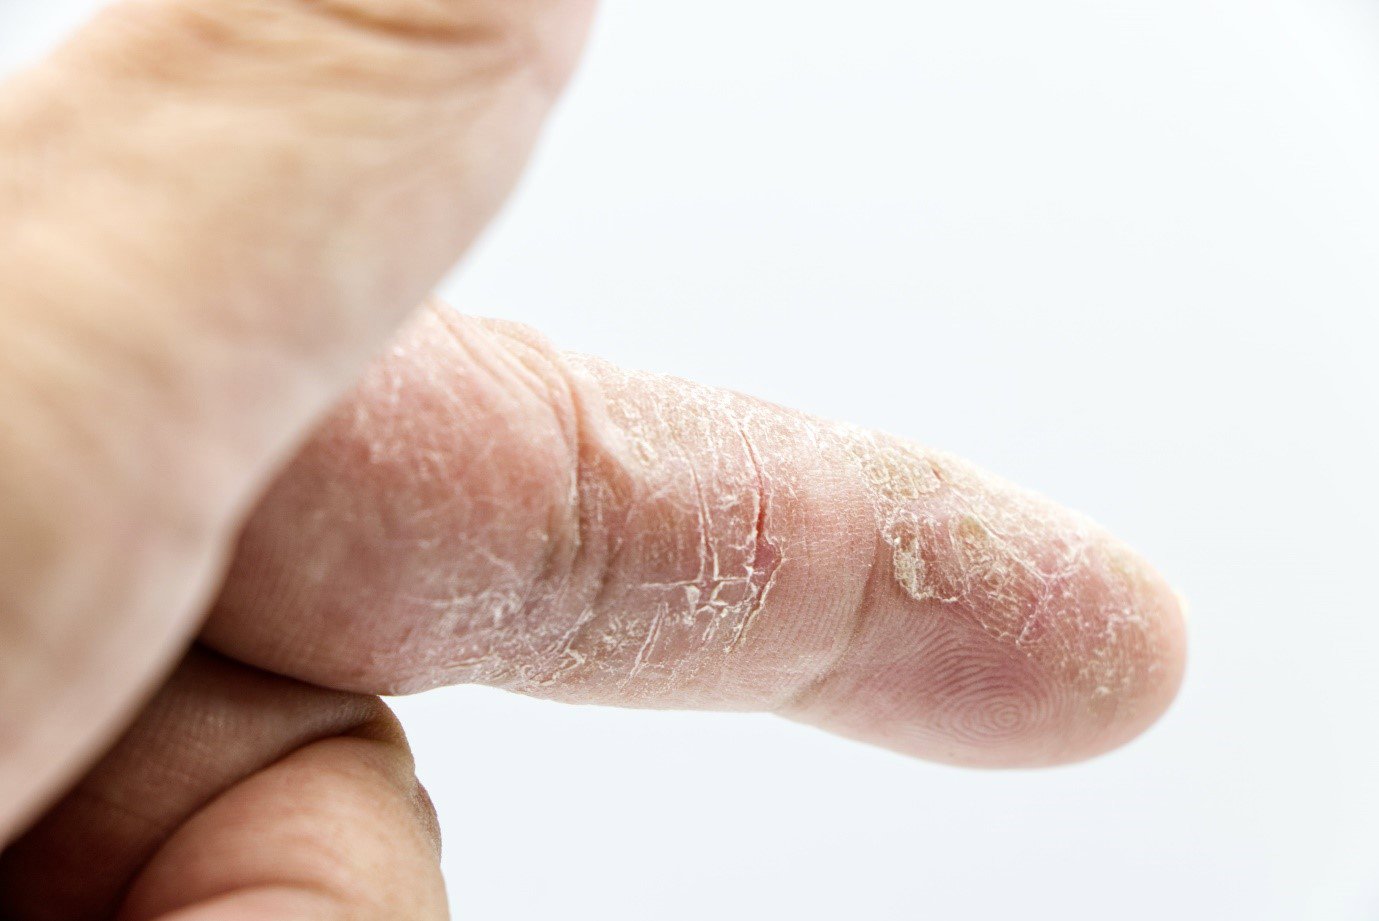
x=487, y=509
x=213, y=211
x=331, y=832
x=198, y=769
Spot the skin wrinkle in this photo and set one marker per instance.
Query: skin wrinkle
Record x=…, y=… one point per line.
x=588, y=498
x=703, y=614
x=512, y=604
x=594, y=495
x=507, y=599
x=523, y=634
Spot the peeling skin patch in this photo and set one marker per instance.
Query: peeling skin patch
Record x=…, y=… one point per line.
x=701, y=470
x=680, y=595
x=1033, y=575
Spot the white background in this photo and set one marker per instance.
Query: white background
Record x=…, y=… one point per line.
x=1123, y=252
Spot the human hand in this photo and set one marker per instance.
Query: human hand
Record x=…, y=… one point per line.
x=216, y=212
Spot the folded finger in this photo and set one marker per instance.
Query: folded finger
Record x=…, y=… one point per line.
x=185, y=810
x=330, y=833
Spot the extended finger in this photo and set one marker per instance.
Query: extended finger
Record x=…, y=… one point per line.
x=487, y=509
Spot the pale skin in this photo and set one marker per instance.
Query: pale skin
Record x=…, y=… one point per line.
x=232, y=512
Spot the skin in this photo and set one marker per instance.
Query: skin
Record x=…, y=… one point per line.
x=216, y=215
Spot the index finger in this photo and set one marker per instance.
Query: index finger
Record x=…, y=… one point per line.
x=488, y=509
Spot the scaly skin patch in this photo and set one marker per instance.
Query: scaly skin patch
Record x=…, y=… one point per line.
x=686, y=478
x=677, y=464
x=1038, y=577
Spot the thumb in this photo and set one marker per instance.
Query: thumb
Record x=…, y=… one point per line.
x=213, y=211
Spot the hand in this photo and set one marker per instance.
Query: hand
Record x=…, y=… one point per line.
x=215, y=212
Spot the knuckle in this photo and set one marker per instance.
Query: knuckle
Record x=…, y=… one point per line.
x=677, y=549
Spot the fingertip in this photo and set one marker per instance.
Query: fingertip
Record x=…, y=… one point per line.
x=942, y=688
x=998, y=629
x=1161, y=670
x=1135, y=649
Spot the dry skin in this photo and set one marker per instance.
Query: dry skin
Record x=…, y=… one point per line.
x=1017, y=563
x=488, y=509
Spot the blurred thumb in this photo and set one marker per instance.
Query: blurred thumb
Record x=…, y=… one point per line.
x=213, y=212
